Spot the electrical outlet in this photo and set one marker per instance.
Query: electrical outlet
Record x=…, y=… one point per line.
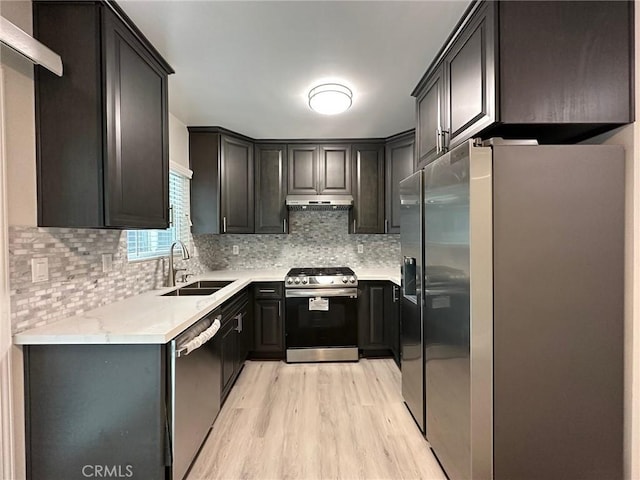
x=236, y=250
x=360, y=248
x=107, y=262
x=39, y=269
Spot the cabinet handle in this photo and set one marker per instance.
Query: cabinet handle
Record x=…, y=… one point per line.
x=354, y=225
x=239, y=326
x=386, y=226
x=224, y=224
x=279, y=309
x=438, y=140
x=445, y=143
x=171, y=216
x=267, y=290
x=284, y=225
x=395, y=294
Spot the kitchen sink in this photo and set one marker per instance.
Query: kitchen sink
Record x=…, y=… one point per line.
x=217, y=284
x=202, y=287
x=180, y=292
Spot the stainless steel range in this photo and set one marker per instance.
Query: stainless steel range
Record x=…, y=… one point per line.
x=321, y=323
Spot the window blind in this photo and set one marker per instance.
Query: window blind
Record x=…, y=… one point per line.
x=146, y=244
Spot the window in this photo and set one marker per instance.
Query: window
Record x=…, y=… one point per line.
x=146, y=244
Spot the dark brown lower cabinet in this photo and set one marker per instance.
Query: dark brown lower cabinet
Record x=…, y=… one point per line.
x=228, y=355
x=88, y=406
x=378, y=320
x=233, y=340
x=268, y=320
x=395, y=320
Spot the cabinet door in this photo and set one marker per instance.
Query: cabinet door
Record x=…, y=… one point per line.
x=228, y=355
x=63, y=122
x=373, y=302
x=334, y=170
x=244, y=336
x=399, y=165
x=431, y=115
x=271, y=189
x=137, y=160
x=586, y=76
x=268, y=326
x=367, y=214
x=236, y=175
x=205, y=184
x=470, y=79
x=393, y=320
x=303, y=169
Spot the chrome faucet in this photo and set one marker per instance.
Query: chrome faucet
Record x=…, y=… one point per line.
x=172, y=270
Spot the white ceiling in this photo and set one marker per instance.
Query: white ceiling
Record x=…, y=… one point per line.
x=248, y=65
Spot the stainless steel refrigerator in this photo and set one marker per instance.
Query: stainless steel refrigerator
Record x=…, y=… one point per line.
x=522, y=311
x=412, y=333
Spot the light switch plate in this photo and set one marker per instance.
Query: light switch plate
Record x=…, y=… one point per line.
x=360, y=248
x=236, y=250
x=107, y=262
x=39, y=269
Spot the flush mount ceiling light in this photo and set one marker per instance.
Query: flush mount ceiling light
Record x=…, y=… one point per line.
x=330, y=98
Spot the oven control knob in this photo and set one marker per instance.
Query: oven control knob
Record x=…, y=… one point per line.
x=352, y=279
x=344, y=280
x=289, y=280
x=304, y=281
x=297, y=280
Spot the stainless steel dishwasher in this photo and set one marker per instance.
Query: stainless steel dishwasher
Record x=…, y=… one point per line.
x=195, y=378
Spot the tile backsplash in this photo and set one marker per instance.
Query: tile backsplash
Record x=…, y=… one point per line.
x=77, y=282
x=315, y=239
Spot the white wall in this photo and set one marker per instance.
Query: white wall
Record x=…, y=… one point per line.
x=20, y=182
x=20, y=123
x=178, y=142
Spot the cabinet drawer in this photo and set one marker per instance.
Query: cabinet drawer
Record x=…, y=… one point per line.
x=268, y=290
x=231, y=307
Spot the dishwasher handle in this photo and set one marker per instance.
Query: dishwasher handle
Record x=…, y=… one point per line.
x=197, y=342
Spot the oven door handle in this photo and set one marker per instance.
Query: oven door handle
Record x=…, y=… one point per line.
x=321, y=292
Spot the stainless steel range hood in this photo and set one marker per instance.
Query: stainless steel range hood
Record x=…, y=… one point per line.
x=319, y=202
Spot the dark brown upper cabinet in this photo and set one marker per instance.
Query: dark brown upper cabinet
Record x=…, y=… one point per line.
x=430, y=107
x=558, y=72
x=303, y=169
x=222, y=187
x=271, y=189
x=334, y=170
x=399, y=155
x=102, y=128
x=367, y=214
x=469, y=72
x=236, y=185
x=319, y=169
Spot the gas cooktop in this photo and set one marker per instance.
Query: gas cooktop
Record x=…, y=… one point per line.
x=319, y=271
x=320, y=277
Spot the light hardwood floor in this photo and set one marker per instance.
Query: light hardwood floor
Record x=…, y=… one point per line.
x=316, y=421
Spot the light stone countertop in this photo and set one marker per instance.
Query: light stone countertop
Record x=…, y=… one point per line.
x=152, y=318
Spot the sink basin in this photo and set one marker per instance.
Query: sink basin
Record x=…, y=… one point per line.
x=190, y=291
x=217, y=284
x=202, y=287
